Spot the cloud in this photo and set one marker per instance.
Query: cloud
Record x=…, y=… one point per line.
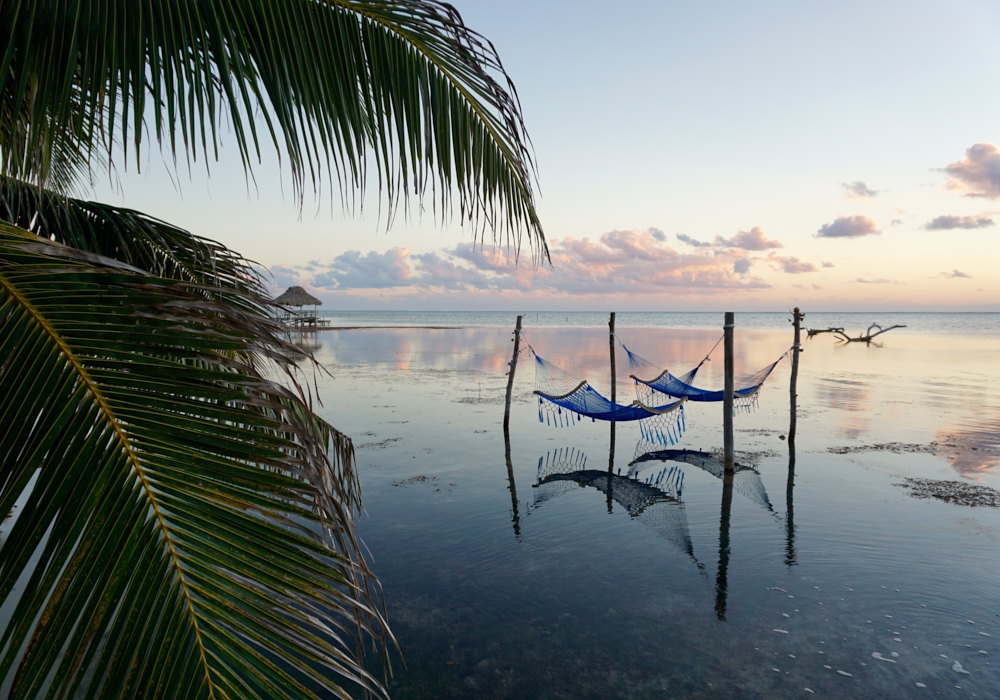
x=684, y=238
x=657, y=234
x=978, y=173
x=881, y=280
x=947, y=223
x=896, y=222
x=352, y=270
x=754, y=239
x=790, y=264
x=849, y=227
x=633, y=262
x=828, y=264
x=858, y=190
x=284, y=277
x=954, y=274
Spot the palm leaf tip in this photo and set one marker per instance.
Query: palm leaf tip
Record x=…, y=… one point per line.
x=332, y=84
x=183, y=528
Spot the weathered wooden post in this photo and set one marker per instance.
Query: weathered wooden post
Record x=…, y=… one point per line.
x=611, y=344
x=510, y=375
x=793, y=382
x=793, y=415
x=727, y=404
x=506, y=429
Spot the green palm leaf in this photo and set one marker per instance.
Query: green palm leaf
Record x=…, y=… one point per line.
x=332, y=83
x=176, y=523
x=126, y=235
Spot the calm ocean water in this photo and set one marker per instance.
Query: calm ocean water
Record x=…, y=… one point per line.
x=831, y=579
x=981, y=323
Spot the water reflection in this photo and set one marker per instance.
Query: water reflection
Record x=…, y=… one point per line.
x=655, y=501
x=515, y=518
x=655, y=497
x=790, y=481
x=746, y=478
x=578, y=604
x=790, y=509
x=973, y=451
x=722, y=574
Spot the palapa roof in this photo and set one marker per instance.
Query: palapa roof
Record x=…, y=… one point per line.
x=297, y=296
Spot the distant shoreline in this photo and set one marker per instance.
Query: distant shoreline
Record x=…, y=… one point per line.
x=375, y=328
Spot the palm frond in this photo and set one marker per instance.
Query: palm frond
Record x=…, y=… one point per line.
x=332, y=83
x=175, y=523
x=126, y=235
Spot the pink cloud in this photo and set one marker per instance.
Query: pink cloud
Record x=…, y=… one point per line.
x=790, y=264
x=634, y=262
x=978, y=173
x=754, y=239
x=949, y=222
x=849, y=227
x=858, y=190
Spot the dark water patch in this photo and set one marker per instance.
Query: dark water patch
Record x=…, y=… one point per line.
x=421, y=479
x=957, y=492
x=894, y=447
x=381, y=445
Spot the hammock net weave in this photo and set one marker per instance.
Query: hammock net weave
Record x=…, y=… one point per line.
x=652, y=383
x=562, y=461
x=654, y=501
x=564, y=399
x=746, y=480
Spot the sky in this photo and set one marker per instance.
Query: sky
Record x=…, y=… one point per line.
x=691, y=156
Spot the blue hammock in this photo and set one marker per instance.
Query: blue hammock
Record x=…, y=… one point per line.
x=662, y=382
x=564, y=399
x=585, y=401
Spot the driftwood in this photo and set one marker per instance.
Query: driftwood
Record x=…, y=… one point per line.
x=817, y=331
x=844, y=338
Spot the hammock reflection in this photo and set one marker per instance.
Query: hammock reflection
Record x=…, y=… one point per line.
x=655, y=501
x=746, y=479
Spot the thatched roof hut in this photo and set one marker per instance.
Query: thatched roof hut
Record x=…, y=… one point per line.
x=297, y=296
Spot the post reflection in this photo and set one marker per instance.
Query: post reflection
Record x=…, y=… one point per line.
x=722, y=575
x=515, y=517
x=611, y=469
x=790, y=510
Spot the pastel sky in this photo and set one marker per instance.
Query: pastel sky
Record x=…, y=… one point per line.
x=691, y=156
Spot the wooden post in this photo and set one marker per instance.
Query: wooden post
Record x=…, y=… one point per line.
x=510, y=375
x=727, y=404
x=792, y=384
x=611, y=344
x=506, y=429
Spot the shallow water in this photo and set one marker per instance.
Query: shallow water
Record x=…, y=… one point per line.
x=587, y=587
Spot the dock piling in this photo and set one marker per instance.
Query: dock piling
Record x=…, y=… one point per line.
x=510, y=375
x=793, y=382
x=727, y=404
x=611, y=344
